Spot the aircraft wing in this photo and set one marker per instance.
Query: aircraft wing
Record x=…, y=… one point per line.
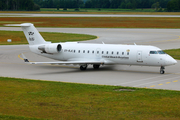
x=64, y=62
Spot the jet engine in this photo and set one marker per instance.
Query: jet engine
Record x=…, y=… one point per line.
x=50, y=48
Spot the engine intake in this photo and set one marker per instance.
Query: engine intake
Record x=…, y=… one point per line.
x=50, y=48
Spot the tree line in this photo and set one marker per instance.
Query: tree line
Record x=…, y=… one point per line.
x=27, y=5
x=124, y=4
x=170, y=5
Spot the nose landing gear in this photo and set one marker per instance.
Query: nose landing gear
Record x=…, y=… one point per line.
x=162, y=70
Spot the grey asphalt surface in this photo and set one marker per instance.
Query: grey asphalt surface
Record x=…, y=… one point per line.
x=11, y=64
x=78, y=15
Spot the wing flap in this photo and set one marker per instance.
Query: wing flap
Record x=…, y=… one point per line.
x=67, y=62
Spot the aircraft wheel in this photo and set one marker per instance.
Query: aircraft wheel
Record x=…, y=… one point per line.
x=83, y=67
x=162, y=71
x=96, y=66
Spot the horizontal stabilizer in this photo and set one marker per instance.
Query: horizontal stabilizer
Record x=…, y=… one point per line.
x=20, y=25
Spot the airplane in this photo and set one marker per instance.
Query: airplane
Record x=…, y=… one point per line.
x=84, y=54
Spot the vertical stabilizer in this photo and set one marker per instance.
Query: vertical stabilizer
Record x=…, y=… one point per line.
x=32, y=35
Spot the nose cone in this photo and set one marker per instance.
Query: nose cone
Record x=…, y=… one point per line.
x=170, y=60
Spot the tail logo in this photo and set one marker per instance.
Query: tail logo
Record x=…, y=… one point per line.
x=31, y=38
x=31, y=33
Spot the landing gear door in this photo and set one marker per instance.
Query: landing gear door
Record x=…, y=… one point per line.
x=139, y=56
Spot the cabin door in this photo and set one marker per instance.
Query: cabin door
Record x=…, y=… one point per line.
x=139, y=56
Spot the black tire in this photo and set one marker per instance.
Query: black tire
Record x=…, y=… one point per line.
x=162, y=71
x=83, y=68
x=96, y=66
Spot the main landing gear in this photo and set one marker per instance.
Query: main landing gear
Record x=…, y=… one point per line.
x=84, y=67
x=162, y=70
x=96, y=66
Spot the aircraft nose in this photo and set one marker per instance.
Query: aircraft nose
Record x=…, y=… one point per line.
x=170, y=60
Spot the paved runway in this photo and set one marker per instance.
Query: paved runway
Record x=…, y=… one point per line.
x=79, y=15
x=136, y=76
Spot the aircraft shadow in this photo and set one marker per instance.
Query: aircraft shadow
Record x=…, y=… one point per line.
x=71, y=69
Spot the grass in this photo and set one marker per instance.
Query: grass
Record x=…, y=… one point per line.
x=96, y=11
x=11, y=117
x=96, y=22
x=19, y=38
x=57, y=100
x=175, y=53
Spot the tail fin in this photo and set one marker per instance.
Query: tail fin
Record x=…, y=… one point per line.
x=32, y=35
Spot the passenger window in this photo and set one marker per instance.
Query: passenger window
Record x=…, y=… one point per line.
x=107, y=52
x=102, y=52
x=122, y=53
x=88, y=51
x=127, y=53
x=79, y=51
x=117, y=53
x=112, y=52
x=92, y=51
x=74, y=51
x=83, y=51
x=97, y=52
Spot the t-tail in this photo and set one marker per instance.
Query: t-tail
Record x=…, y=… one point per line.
x=32, y=35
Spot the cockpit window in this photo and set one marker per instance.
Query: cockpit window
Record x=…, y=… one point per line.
x=161, y=52
x=153, y=52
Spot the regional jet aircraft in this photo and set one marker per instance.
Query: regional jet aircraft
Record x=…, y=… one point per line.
x=84, y=54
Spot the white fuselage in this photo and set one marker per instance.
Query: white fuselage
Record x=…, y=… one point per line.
x=110, y=54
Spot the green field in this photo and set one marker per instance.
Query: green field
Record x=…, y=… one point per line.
x=108, y=11
x=21, y=98
x=175, y=53
x=19, y=38
x=146, y=11
x=98, y=10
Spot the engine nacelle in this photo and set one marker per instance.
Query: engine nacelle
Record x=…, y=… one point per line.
x=50, y=48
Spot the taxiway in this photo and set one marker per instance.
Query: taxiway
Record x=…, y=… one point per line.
x=11, y=64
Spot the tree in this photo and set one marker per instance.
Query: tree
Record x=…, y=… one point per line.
x=123, y=5
x=173, y=5
x=129, y=5
x=88, y=4
x=134, y=5
x=155, y=6
x=115, y=3
x=18, y=5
